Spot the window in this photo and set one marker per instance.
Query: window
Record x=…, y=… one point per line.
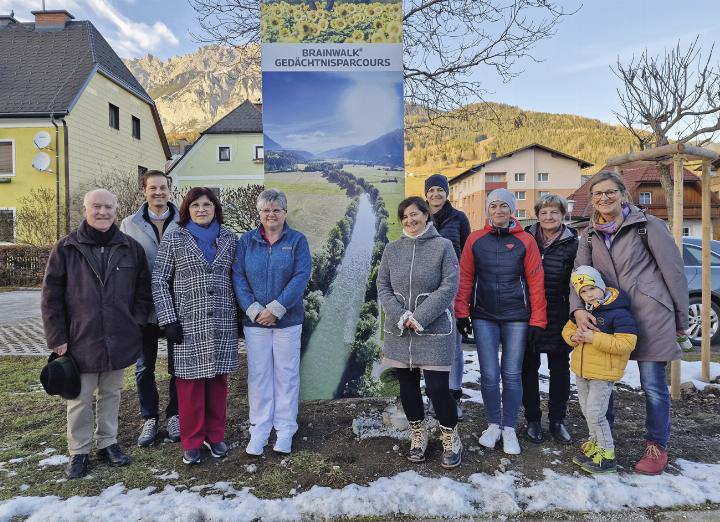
x=692, y=255
x=494, y=178
x=520, y=177
x=520, y=213
x=136, y=127
x=7, y=158
x=217, y=190
x=645, y=198
x=686, y=231
x=259, y=152
x=223, y=153
x=520, y=195
x=543, y=193
x=141, y=171
x=7, y=225
x=114, y=114
x=543, y=176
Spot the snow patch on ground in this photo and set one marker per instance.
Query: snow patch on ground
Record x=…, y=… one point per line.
x=55, y=460
x=169, y=475
x=406, y=493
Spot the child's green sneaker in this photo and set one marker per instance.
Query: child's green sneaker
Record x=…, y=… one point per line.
x=602, y=462
x=588, y=450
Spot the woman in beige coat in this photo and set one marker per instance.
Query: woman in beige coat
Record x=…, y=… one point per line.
x=636, y=253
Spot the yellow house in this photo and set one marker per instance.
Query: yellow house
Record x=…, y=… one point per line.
x=228, y=154
x=72, y=117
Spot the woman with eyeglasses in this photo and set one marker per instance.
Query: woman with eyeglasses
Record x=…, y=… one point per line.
x=502, y=291
x=637, y=254
x=194, y=300
x=272, y=268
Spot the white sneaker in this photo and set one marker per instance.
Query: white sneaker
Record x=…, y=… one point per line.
x=255, y=446
x=283, y=445
x=490, y=436
x=511, y=446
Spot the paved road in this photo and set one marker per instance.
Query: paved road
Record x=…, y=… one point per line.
x=18, y=306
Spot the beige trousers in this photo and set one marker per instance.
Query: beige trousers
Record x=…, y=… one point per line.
x=108, y=386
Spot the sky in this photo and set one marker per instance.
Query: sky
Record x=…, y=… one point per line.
x=574, y=76
x=330, y=110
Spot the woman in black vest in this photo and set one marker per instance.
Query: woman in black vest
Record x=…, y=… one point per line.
x=558, y=245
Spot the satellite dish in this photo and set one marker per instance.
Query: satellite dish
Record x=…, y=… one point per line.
x=42, y=139
x=41, y=162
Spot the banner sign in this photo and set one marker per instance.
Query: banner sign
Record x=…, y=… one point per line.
x=333, y=130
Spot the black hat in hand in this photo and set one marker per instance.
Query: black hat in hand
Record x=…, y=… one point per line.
x=61, y=376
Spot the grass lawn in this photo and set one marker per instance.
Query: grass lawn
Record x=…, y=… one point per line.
x=314, y=205
x=392, y=193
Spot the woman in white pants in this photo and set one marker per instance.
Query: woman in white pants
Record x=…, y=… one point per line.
x=271, y=270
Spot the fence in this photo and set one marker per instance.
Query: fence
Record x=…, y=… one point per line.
x=22, y=265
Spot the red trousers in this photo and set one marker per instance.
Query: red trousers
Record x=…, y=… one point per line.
x=202, y=405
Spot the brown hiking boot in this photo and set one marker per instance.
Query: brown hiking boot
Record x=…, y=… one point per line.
x=654, y=461
x=418, y=441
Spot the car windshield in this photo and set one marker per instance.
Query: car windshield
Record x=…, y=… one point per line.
x=692, y=256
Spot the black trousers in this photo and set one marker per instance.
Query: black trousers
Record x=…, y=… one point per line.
x=559, y=366
x=145, y=376
x=437, y=389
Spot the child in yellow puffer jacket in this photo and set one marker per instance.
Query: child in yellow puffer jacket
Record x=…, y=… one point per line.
x=598, y=360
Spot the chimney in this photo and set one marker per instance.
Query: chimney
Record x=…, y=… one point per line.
x=7, y=19
x=493, y=155
x=51, y=19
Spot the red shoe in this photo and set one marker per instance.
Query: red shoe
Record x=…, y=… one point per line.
x=654, y=461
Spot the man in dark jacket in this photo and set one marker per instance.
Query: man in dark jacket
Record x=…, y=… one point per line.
x=454, y=225
x=95, y=298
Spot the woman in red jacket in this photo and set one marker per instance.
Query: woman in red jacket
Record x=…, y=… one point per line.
x=502, y=291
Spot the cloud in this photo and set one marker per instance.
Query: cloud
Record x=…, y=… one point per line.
x=132, y=38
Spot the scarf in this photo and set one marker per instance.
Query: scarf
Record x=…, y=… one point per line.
x=98, y=237
x=608, y=230
x=548, y=240
x=206, y=238
x=443, y=214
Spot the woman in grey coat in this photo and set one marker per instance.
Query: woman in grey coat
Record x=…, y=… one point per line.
x=417, y=282
x=194, y=299
x=636, y=253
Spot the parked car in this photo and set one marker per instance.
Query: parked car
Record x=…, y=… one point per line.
x=692, y=257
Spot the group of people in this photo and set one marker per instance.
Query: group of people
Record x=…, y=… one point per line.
x=522, y=292
x=110, y=293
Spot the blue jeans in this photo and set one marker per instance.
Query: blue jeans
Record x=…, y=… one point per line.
x=457, y=365
x=501, y=409
x=657, y=402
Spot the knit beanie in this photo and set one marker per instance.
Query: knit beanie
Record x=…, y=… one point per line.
x=503, y=195
x=584, y=276
x=437, y=180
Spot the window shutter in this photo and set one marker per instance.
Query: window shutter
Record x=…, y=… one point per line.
x=6, y=158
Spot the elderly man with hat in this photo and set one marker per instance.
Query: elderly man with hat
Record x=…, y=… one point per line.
x=454, y=225
x=502, y=298
x=95, y=299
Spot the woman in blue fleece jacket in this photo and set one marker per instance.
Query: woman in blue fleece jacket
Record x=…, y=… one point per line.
x=271, y=270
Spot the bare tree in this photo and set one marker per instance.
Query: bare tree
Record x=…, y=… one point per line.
x=447, y=43
x=673, y=96
x=36, y=219
x=239, y=207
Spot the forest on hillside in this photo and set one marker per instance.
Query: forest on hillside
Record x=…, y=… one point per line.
x=460, y=143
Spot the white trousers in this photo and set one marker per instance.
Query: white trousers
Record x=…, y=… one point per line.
x=273, y=356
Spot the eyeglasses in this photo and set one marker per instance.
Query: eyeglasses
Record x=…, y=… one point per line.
x=609, y=194
x=274, y=211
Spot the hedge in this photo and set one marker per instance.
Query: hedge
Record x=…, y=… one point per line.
x=23, y=265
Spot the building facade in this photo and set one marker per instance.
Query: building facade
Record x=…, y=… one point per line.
x=528, y=173
x=67, y=98
x=229, y=154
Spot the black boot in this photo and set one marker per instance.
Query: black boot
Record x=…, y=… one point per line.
x=77, y=467
x=114, y=456
x=560, y=432
x=534, y=432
